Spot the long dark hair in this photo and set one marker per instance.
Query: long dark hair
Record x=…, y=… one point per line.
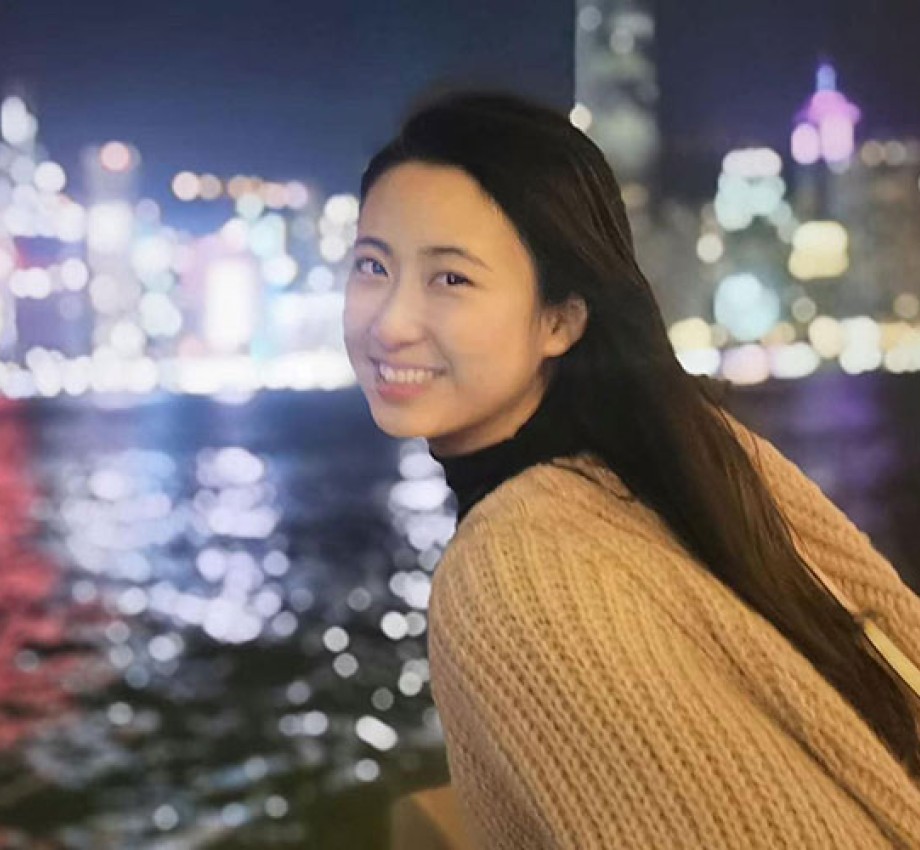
x=661, y=430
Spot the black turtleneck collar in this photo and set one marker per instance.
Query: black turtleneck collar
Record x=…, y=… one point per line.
x=548, y=433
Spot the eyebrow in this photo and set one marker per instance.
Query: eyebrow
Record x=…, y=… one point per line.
x=427, y=251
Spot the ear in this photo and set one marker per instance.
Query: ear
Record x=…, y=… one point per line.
x=566, y=324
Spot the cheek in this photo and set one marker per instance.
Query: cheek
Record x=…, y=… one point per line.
x=500, y=338
x=491, y=353
x=356, y=315
x=489, y=327
x=352, y=335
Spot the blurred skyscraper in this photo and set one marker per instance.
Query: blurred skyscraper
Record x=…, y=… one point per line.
x=41, y=306
x=616, y=86
x=616, y=105
x=111, y=176
x=879, y=203
x=858, y=249
x=822, y=144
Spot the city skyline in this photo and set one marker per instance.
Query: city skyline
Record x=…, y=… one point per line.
x=104, y=75
x=794, y=255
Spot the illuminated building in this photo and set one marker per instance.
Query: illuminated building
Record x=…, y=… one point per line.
x=822, y=145
x=878, y=200
x=857, y=250
x=742, y=243
x=825, y=126
x=616, y=89
x=616, y=105
x=295, y=244
x=42, y=307
x=110, y=174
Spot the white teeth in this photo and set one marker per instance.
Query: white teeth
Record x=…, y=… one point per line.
x=404, y=376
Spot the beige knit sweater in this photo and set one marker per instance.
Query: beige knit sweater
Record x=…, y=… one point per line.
x=599, y=688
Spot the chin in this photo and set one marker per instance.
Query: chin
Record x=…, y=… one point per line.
x=400, y=433
x=398, y=427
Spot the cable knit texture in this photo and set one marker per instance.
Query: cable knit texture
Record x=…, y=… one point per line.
x=599, y=688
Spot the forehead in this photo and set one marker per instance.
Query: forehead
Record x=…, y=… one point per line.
x=443, y=200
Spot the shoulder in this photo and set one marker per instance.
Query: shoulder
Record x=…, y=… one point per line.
x=537, y=577
x=555, y=516
x=568, y=496
x=556, y=545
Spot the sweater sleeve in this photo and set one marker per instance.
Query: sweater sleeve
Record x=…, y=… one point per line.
x=826, y=536
x=577, y=717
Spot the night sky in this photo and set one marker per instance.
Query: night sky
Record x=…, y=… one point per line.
x=298, y=88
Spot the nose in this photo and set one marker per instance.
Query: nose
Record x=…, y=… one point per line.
x=399, y=319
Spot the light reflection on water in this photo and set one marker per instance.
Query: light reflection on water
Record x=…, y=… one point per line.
x=214, y=617
x=242, y=594
x=857, y=437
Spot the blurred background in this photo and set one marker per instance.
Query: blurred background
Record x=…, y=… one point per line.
x=214, y=570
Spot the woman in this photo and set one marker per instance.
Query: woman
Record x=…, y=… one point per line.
x=626, y=647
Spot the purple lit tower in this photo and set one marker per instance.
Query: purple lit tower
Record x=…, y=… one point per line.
x=823, y=144
x=870, y=190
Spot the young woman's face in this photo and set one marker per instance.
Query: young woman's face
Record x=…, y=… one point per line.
x=440, y=280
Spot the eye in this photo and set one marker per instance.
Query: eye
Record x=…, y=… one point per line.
x=459, y=280
x=358, y=267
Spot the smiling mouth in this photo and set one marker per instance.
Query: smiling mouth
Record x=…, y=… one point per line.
x=386, y=375
x=408, y=383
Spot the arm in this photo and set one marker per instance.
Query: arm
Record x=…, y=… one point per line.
x=578, y=718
